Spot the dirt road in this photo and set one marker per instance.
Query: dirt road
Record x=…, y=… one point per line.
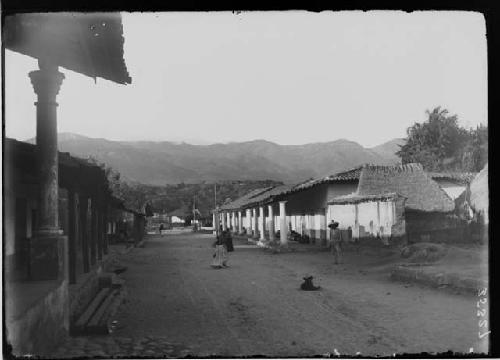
x=256, y=307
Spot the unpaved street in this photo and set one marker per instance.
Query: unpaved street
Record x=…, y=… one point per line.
x=256, y=307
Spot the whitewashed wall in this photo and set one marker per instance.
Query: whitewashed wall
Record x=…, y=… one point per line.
x=387, y=217
x=345, y=215
x=367, y=217
x=376, y=217
x=453, y=191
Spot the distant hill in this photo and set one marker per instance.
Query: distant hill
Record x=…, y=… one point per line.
x=160, y=163
x=389, y=149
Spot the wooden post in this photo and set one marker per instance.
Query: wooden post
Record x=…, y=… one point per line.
x=93, y=230
x=72, y=236
x=84, y=207
x=100, y=237
x=45, y=261
x=105, y=228
x=46, y=83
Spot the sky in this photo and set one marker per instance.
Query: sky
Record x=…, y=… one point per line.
x=290, y=77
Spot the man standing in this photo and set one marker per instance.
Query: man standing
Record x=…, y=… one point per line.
x=335, y=242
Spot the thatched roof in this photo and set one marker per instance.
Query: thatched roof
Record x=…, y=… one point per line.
x=410, y=181
x=479, y=194
x=463, y=178
x=355, y=199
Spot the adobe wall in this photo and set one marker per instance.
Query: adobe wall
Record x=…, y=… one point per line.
x=40, y=328
x=436, y=227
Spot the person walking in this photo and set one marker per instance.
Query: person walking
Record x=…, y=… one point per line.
x=335, y=242
x=223, y=244
x=228, y=245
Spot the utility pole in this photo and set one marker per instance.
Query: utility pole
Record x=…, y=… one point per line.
x=216, y=212
x=194, y=212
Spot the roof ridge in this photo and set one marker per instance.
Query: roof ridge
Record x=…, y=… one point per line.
x=409, y=167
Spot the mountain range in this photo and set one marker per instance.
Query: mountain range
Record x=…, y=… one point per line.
x=159, y=163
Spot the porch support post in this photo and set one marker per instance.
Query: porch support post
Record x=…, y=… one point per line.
x=105, y=227
x=255, y=223
x=93, y=230
x=233, y=221
x=214, y=224
x=47, y=248
x=84, y=205
x=72, y=235
x=224, y=220
x=240, y=223
x=283, y=225
x=249, y=220
x=271, y=222
x=100, y=234
x=324, y=228
x=262, y=224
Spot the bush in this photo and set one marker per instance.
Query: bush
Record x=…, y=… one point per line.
x=423, y=252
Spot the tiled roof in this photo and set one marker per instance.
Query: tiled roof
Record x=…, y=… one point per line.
x=348, y=175
x=408, y=180
x=268, y=195
x=241, y=201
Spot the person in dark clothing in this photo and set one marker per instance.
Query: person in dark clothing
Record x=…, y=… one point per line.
x=223, y=244
x=227, y=242
x=335, y=241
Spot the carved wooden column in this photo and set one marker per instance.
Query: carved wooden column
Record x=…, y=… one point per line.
x=47, y=245
x=46, y=83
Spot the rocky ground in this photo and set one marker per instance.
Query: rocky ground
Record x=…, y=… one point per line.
x=119, y=347
x=178, y=305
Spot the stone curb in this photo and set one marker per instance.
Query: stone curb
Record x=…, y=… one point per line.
x=437, y=279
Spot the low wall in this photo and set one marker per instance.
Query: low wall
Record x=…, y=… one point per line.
x=81, y=294
x=38, y=330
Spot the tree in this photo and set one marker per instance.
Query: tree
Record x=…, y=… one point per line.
x=440, y=144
